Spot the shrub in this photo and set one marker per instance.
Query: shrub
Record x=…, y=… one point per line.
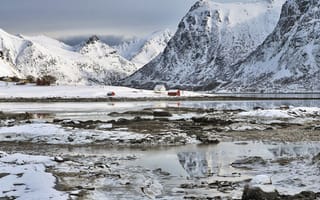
x=46, y=80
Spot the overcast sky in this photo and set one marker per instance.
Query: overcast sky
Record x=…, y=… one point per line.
x=77, y=18
x=63, y=18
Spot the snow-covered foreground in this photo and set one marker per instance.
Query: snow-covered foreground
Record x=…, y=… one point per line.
x=147, y=150
x=32, y=91
x=55, y=134
x=24, y=177
x=205, y=171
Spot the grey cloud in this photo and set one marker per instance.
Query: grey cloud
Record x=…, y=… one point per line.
x=111, y=40
x=39, y=16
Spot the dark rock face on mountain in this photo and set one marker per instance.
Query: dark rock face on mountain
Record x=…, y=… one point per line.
x=93, y=39
x=209, y=39
x=289, y=59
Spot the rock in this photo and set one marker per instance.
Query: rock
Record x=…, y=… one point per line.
x=93, y=39
x=258, y=108
x=188, y=186
x=58, y=159
x=316, y=159
x=122, y=121
x=161, y=113
x=207, y=138
x=256, y=193
x=249, y=161
x=305, y=195
x=284, y=107
x=212, y=121
x=161, y=172
x=3, y=175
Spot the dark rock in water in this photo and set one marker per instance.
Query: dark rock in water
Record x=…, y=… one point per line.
x=305, y=195
x=16, y=116
x=188, y=186
x=316, y=159
x=284, y=107
x=161, y=172
x=256, y=193
x=249, y=161
x=58, y=159
x=207, y=139
x=4, y=175
x=212, y=121
x=122, y=121
x=70, y=139
x=161, y=113
x=258, y=108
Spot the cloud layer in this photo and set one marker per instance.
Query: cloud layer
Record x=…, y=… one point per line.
x=63, y=18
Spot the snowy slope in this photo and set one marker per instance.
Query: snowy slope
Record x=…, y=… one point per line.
x=107, y=60
x=10, y=46
x=210, y=38
x=143, y=50
x=91, y=63
x=289, y=59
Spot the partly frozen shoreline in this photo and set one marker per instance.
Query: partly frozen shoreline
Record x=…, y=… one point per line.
x=9, y=92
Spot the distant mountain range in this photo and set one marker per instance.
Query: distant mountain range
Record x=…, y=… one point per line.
x=91, y=62
x=255, y=46
x=141, y=51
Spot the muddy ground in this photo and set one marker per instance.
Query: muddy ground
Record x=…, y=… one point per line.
x=89, y=176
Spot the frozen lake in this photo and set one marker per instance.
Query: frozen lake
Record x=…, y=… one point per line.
x=288, y=164
x=99, y=111
x=167, y=172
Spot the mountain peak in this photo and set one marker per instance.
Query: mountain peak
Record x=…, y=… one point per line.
x=288, y=60
x=210, y=38
x=141, y=51
x=93, y=39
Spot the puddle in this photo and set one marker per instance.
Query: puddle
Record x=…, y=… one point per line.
x=210, y=163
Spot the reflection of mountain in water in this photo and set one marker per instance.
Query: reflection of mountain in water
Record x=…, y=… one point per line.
x=216, y=162
x=197, y=164
x=306, y=150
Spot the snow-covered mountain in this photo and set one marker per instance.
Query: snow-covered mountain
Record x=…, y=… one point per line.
x=110, y=64
x=210, y=38
x=10, y=46
x=92, y=62
x=289, y=59
x=141, y=51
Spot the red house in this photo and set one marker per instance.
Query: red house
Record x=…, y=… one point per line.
x=175, y=93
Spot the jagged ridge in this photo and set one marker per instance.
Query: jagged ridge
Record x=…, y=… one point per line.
x=210, y=38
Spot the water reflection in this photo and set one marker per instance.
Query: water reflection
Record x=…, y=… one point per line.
x=100, y=111
x=196, y=164
x=248, y=105
x=284, y=162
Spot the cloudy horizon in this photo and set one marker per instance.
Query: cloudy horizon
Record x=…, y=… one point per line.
x=72, y=20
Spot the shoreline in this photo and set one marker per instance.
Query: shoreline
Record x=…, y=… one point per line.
x=137, y=99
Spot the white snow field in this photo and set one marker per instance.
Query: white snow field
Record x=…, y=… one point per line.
x=24, y=177
x=9, y=90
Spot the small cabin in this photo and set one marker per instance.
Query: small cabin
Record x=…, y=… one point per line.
x=174, y=93
x=160, y=88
